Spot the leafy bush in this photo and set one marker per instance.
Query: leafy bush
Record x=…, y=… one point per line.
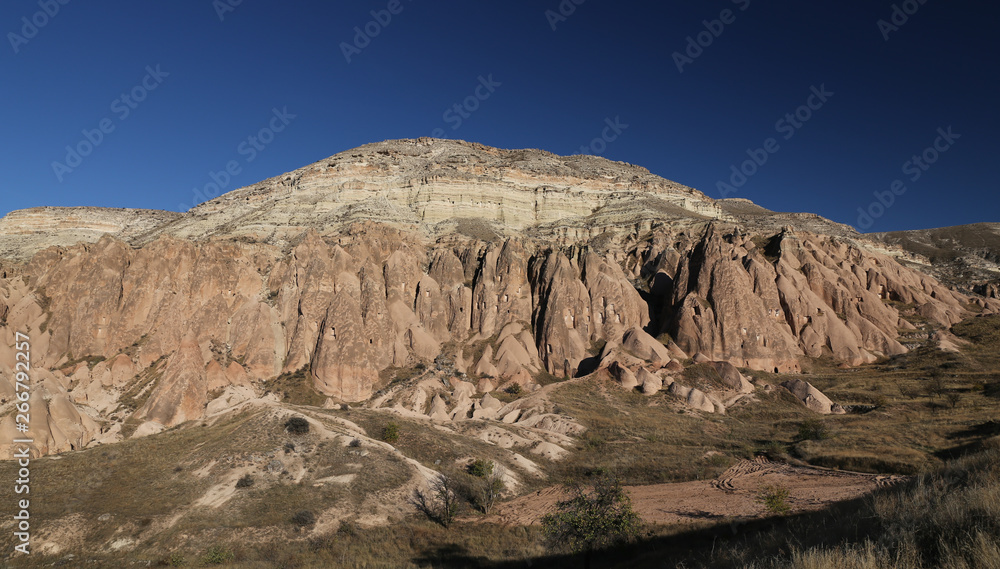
x=481, y=468
x=589, y=521
x=355, y=443
x=774, y=498
x=813, y=430
x=218, y=555
x=297, y=426
x=513, y=389
x=390, y=433
x=773, y=450
x=304, y=518
x=245, y=482
x=489, y=488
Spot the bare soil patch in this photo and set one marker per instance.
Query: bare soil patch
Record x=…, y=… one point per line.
x=733, y=495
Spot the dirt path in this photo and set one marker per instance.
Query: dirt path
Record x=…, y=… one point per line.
x=732, y=495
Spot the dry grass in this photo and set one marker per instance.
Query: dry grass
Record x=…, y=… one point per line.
x=949, y=519
x=902, y=421
x=296, y=388
x=645, y=439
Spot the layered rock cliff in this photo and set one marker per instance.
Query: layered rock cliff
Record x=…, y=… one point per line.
x=508, y=263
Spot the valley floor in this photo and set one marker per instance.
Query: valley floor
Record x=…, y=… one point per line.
x=732, y=497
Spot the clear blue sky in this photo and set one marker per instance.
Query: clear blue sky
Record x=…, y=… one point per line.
x=221, y=78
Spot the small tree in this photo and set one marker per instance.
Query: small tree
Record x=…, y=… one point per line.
x=480, y=468
x=589, y=521
x=513, y=389
x=490, y=487
x=440, y=503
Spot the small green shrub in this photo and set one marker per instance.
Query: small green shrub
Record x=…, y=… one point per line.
x=304, y=518
x=218, y=555
x=390, y=433
x=297, y=426
x=773, y=450
x=513, y=389
x=774, y=498
x=813, y=430
x=591, y=520
x=481, y=468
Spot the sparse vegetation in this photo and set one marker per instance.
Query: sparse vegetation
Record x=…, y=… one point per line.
x=481, y=468
x=592, y=520
x=489, y=489
x=296, y=388
x=390, y=433
x=441, y=502
x=304, y=518
x=297, y=426
x=774, y=499
x=813, y=430
x=218, y=555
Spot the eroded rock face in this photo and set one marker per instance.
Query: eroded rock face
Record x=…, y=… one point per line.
x=183, y=393
x=725, y=307
x=578, y=302
x=335, y=273
x=807, y=295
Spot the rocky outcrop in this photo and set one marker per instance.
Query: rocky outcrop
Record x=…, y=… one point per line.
x=763, y=307
x=811, y=397
x=697, y=399
x=578, y=302
x=514, y=264
x=443, y=186
x=726, y=306
x=964, y=256
x=183, y=392
x=26, y=232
